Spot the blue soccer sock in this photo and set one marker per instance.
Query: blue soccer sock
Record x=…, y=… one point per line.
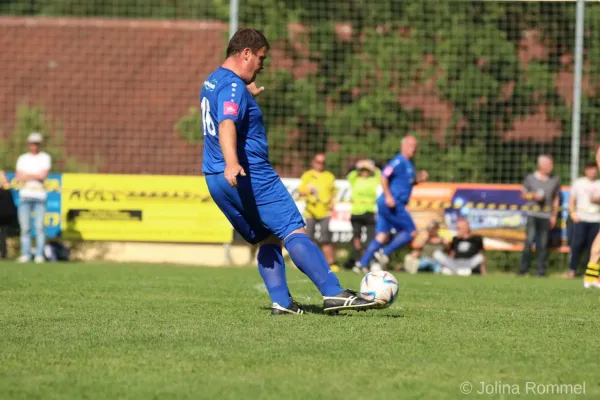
x=370, y=252
x=309, y=259
x=272, y=269
x=400, y=240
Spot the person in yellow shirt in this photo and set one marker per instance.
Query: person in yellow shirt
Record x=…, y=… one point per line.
x=317, y=188
x=364, y=183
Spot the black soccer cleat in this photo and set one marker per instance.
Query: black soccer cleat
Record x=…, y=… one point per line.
x=347, y=300
x=276, y=309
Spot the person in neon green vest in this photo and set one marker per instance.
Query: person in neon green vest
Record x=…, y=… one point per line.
x=364, y=182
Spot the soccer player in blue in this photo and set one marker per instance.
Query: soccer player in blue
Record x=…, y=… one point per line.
x=397, y=181
x=247, y=189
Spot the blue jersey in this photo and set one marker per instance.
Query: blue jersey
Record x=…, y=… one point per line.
x=224, y=96
x=401, y=177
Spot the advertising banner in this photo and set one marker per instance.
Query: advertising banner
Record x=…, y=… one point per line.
x=148, y=208
x=496, y=212
x=53, y=185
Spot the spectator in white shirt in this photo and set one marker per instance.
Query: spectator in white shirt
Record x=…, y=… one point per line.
x=32, y=170
x=584, y=209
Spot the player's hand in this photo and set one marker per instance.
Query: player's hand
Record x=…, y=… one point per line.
x=575, y=218
x=390, y=202
x=422, y=176
x=254, y=90
x=552, y=221
x=231, y=173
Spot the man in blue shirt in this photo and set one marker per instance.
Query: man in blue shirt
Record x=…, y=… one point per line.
x=247, y=189
x=397, y=181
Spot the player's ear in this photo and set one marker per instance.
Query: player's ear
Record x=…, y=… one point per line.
x=246, y=53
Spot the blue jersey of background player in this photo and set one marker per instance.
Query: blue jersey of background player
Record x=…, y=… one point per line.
x=397, y=181
x=247, y=189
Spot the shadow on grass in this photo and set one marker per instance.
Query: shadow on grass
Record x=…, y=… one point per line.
x=394, y=315
x=314, y=309
x=309, y=308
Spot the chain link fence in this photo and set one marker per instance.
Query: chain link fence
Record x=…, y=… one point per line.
x=486, y=86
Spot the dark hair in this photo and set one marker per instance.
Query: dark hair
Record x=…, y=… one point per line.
x=590, y=164
x=246, y=38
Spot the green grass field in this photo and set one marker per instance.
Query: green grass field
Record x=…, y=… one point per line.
x=82, y=331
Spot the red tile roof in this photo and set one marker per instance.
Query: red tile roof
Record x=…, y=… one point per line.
x=117, y=86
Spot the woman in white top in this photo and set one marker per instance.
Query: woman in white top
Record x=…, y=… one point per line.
x=32, y=170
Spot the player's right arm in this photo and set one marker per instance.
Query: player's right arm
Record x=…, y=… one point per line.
x=231, y=109
x=228, y=143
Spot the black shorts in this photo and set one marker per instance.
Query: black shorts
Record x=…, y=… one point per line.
x=364, y=221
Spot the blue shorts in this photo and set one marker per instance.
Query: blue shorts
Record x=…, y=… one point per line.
x=393, y=218
x=255, y=223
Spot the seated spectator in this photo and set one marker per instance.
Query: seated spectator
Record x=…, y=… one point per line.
x=466, y=253
x=424, y=246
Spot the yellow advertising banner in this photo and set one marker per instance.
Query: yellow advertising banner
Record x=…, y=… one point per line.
x=148, y=208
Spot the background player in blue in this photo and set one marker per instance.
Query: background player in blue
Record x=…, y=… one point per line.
x=397, y=181
x=247, y=189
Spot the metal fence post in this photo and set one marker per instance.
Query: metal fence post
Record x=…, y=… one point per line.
x=576, y=118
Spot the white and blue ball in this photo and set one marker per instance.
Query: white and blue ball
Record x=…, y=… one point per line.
x=380, y=286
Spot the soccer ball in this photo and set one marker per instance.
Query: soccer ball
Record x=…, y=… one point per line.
x=380, y=286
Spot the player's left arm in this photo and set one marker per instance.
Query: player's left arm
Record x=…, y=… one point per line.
x=254, y=90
